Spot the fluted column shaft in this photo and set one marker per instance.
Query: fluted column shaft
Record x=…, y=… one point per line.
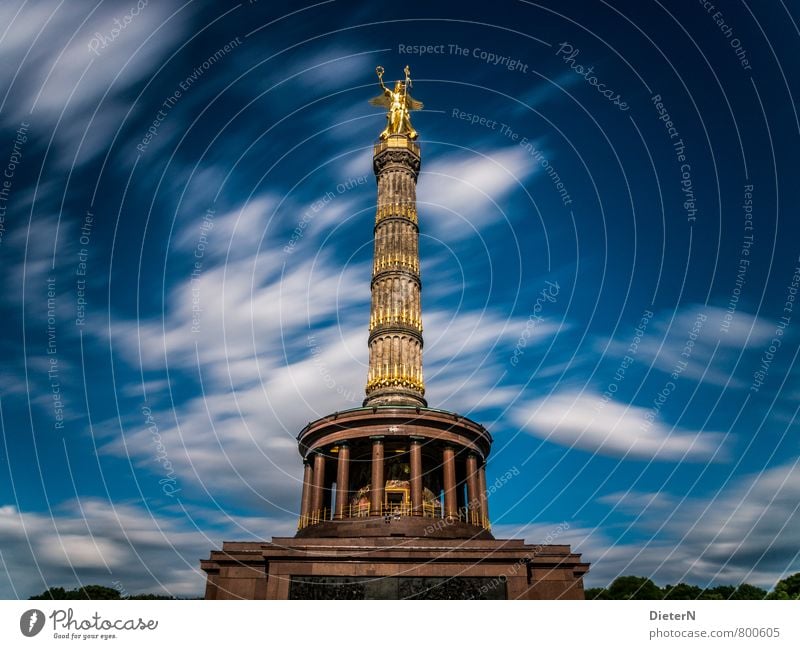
x=449, y=474
x=483, y=495
x=342, y=480
x=473, y=500
x=377, y=482
x=308, y=478
x=318, y=492
x=416, y=476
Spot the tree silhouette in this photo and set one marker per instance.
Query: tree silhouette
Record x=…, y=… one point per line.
x=634, y=587
x=92, y=591
x=787, y=588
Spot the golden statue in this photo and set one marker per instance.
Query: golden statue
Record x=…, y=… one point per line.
x=399, y=103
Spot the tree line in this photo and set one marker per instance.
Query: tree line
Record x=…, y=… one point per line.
x=628, y=587
x=633, y=587
x=93, y=591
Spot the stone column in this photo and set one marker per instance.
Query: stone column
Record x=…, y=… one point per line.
x=342, y=480
x=449, y=470
x=416, y=476
x=395, y=330
x=308, y=482
x=473, y=502
x=483, y=495
x=317, y=493
x=377, y=481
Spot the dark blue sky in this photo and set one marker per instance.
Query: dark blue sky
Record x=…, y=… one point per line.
x=609, y=256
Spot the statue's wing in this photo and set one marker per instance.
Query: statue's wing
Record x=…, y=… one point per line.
x=414, y=104
x=382, y=101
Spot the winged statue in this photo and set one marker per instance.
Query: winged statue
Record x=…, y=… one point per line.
x=399, y=103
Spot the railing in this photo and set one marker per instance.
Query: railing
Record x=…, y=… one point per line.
x=396, y=142
x=396, y=510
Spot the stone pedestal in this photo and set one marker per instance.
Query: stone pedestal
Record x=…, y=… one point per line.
x=393, y=568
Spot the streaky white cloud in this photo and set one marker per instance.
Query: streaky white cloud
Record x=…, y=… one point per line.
x=754, y=522
x=330, y=69
x=746, y=532
x=62, y=77
x=636, y=502
x=463, y=193
x=466, y=355
x=125, y=545
x=694, y=335
x=239, y=437
x=552, y=89
x=360, y=164
x=234, y=234
x=585, y=421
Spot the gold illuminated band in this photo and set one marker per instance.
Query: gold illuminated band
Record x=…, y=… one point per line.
x=403, y=210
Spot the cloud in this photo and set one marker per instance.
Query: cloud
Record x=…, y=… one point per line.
x=123, y=545
x=746, y=532
x=753, y=526
x=240, y=442
x=547, y=91
x=467, y=355
x=463, y=193
x=55, y=77
x=636, y=502
x=585, y=421
x=231, y=235
x=713, y=353
x=333, y=69
x=238, y=435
